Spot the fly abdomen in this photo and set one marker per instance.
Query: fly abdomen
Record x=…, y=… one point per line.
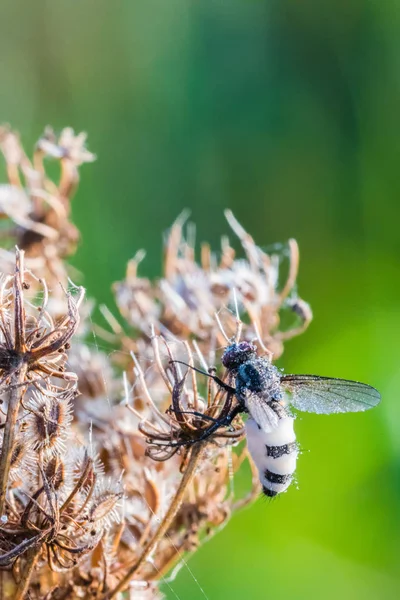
x=274, y=453
x=281, y=457
x=283, y=450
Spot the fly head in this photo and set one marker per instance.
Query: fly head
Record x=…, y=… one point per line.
x=238, y=354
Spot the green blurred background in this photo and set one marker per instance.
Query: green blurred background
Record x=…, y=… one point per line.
x=288, y=113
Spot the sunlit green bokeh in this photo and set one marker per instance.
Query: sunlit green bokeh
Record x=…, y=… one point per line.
x=288, y=113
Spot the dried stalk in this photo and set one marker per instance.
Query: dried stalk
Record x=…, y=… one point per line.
x=32, y=558
x=195, y=457
x=16, y=394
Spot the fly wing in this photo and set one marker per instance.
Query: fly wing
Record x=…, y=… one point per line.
x=324, y=395
x=261, y=412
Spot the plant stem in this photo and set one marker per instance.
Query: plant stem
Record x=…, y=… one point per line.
x=23, y=584
x=16, y=393
x=188, y=475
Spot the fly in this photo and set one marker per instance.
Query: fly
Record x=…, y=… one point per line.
x=265, y=394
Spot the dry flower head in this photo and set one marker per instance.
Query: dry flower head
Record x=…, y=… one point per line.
x=107, y=480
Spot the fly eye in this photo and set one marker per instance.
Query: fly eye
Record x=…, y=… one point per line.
x=244, y=346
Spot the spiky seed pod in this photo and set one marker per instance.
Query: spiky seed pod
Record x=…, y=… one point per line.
x=29, y=338
x=48, y=421
x=23, y=459
x=55, y=472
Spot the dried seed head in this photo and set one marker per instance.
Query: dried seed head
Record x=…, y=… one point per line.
x=23, y=460
x=82, y=460
x=68, y=146
x=63, y=502
x=48, y=421
x=37, y=209
x=185, y=300
x=94, y=371
x=29, y=337
x=55, y=472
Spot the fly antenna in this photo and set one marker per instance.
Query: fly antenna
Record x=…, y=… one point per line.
x=181, y=362
x=222, y=384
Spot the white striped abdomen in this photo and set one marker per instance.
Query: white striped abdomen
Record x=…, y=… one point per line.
x=274, y=453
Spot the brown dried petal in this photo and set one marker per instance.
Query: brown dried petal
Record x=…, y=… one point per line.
x=104, y=506
x=152, y=496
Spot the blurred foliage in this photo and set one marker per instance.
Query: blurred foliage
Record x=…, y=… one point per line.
x=286, y=112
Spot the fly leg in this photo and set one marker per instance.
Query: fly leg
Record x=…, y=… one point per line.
x=222, y=384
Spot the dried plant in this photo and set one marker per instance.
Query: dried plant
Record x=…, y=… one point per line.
x=109, y=476
x=35, y=209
